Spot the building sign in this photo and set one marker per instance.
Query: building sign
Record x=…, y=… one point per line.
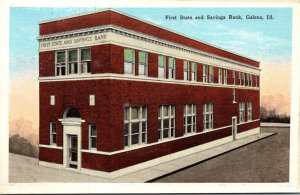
x=77, y=41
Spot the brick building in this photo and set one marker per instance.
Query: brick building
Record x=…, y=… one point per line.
x=118, y=94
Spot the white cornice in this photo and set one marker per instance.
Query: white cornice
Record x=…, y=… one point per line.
x=138, y=36
x=150, y=23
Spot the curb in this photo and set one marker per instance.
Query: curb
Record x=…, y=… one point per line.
x=189, y=166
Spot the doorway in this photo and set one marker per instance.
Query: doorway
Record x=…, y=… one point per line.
x=73, y=151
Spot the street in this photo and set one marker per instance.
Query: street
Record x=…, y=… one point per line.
x=264, y=161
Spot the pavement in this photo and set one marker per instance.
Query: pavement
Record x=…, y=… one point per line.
x=275, y=124
x=26, y=169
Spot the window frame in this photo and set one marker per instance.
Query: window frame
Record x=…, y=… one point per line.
x=172, y=70
x=249, y=111
x=52, y=100
x=164, y=67
x=186, y=72
x=84, y=61
x=211, y=74
x=92, y=100
x=171, y=130
x=208, y=110
x=225, y=74
x=129, y=62
x=220, y=76
x=140, y=120
x=143, y=64
x=92, y=136
x=60, y=65
x=194, y=71
x=241, y=112
x=233, y=77
x=193, y=116
x=205, y=73
x=52, y=133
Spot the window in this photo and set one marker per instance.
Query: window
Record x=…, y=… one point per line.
x=234, y=95
x=233, y=77
x=129, y=61
x=240, y=78
x=85, y=61
x=211, y=74
x=208, y=112
x=92, y=100
x=249, y=111
x=52, y=133
x=73, y=61
x=143, y=63
x=205, y=73
x=60, y=63
x=194, y=72
x=251, y=80
x=92, y=136
x=172, y=65
x=242, y=111
x=161, y=67
x=186, y=71
x=220, y=76
x=52, y=100
x=166, y=121
x=257, y=81
x=135, y=125
x=225, y=76
x=189, y=118
x=244, y=79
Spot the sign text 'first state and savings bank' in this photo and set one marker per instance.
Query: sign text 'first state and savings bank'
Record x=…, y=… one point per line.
x=72, y=42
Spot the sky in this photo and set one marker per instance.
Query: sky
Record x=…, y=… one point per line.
x=268, y=41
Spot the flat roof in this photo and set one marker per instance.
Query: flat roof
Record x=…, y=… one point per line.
x=147, y=22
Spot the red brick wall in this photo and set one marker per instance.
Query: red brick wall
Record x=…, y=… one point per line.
x=47, y=63
x=51, y=155
x=110, y=17
x=100, y=56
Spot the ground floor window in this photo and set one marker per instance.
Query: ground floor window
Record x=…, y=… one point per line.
x=208, y=112
x=166, y=121
x=93, y=136
x=242, y=111
x=52, y=133
x=249, y=111
x=189, y=118
x=135, y=125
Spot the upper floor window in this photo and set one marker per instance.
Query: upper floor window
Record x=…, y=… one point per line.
x=190, y=121
x=73, y=61
x=92, y=136
x=251, y=80
x=244, y=78
x=240, y=78
x=233, y=77
x=208, y=112
x=129, y=61
x=186, y=71
x=52, y=133
x=68, y=63
x=161, y=66
x=220, y=76
x=242, y=111
x=257, y=81
x=194, y=72
x=211, y=74
x=249, y=111
x=172, y=70
x=85, y=60
x=60, y=63
x=135, y=125
x=166, y=121
x=143, y=63
x=225, y=76
x=205, y=73
x=248, y=80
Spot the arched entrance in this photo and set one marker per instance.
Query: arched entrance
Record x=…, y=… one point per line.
x=71, y=122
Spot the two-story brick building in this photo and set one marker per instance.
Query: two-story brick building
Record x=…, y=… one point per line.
x=118, y=94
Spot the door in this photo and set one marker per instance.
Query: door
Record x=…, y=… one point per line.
x=234, y=127
x=73, y=151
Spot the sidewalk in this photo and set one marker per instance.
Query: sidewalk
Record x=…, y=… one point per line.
x=25, y=169
x=158, y=171
x=263, y=124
